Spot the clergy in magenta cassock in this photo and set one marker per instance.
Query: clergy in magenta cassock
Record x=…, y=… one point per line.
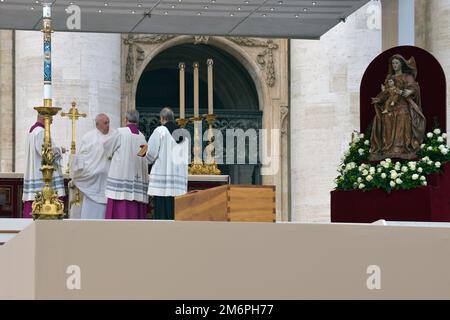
x=126, y=186
x=90, y=167
x=32, y=180
x=168, y=151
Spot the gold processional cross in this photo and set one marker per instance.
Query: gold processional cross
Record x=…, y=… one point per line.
x=74, y=115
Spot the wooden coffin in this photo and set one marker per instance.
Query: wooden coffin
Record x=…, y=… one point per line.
x=228, y=203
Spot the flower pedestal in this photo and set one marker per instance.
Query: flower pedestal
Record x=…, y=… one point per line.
x=425, y=204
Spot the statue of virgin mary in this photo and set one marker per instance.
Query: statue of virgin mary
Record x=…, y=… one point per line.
x=399, y=132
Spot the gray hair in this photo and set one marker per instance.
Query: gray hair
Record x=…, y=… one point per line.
x=99, y=116
x=167, y=114
x=133, y=116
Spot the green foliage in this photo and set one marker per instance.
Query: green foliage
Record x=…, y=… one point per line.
x=356, y=172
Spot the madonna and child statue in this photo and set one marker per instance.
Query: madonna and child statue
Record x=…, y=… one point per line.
x=398, y=129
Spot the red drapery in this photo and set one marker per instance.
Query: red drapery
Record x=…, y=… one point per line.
x=431, y=203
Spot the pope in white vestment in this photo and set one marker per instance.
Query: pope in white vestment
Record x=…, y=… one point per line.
x=33, y=182
x=126, y=187
x=90, y=168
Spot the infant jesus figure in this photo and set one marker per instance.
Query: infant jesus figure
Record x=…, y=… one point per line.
x=389, y=96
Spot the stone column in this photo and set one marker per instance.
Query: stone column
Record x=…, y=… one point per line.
x=399, y=19
x=437, y=38
x=406, y=22
x=325, y=80
x=7, y=100
x=421, y=22
x=86, y=69
x=390, y=23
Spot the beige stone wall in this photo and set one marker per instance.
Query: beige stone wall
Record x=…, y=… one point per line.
x=325, y=81
x=86, y=69
x=6, y=100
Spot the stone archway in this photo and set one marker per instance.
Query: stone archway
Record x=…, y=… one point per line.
x=235, y=97
x=265, y=60
x=233, y=86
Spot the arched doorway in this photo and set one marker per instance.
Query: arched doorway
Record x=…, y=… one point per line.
x=235, y=96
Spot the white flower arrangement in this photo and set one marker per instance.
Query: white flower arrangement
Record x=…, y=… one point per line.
x=356, y=173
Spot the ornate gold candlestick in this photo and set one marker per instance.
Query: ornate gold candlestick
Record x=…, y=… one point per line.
x=210, y=166
x=182, y=123
x=47, y=205
x=196, y=166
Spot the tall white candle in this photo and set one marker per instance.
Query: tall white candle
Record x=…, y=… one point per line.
x=46, y=10
x=210, y=64
x=46, y=14
x=196, y=93
x=182, y=67
x=47, y=91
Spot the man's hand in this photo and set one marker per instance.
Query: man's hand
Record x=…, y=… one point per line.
x=143, y=151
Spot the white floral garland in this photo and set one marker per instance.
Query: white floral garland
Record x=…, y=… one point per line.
x=356, y=173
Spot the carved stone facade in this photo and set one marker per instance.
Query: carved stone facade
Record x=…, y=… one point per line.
x=266, y=61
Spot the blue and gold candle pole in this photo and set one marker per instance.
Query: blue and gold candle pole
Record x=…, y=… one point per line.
x=47, y=205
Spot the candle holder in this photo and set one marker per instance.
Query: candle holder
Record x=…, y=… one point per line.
x=196, y=167
x=209, y=167
x=182, y=123
x=47, y=206
x=210, y=164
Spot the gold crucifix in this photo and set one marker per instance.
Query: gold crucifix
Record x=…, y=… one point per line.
x=73, y=115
